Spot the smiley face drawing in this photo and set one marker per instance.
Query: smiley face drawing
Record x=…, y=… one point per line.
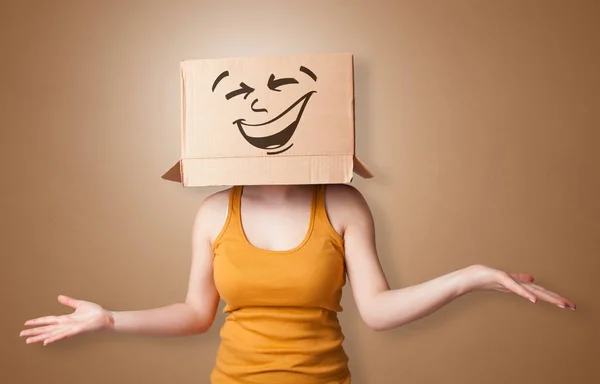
x=283, y=125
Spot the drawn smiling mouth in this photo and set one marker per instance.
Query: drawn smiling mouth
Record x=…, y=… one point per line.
x=274, y=142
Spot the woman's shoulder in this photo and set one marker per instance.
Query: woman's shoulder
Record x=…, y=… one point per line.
x=212, y=213
x=344, y=195
x=345, y=205
x=215, y=201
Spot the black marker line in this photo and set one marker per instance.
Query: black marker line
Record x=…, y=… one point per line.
x=219, y=78
x=308, y=72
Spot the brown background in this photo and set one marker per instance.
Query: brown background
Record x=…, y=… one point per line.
x=481, y=119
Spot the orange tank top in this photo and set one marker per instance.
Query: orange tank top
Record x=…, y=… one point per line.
x=281, y=325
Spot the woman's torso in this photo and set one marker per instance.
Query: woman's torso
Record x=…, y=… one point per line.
x=282, y=301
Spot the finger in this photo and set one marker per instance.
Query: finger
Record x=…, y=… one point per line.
x=46, y=320
x=557, y=299
x=37, y=331
x=69, y=301
x=549, y=298
x=517, y=288
x=523, y=277
x=59, y=336
x=542, y=289
x=43, y=336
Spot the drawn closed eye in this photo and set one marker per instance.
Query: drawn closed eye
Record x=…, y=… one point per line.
x=274, y=83
x=243, y=89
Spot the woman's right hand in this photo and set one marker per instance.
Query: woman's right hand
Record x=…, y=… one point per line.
x=87, y=317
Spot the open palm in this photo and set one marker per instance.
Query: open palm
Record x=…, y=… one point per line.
x=87, y=317
x=522, y=284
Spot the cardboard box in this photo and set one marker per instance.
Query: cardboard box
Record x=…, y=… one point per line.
x=267, y=120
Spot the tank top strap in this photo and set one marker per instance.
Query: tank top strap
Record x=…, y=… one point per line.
x=322, y=222
x=235, y=195
x=319, y=201
x=321, y=217
x=235, y=206
x=231, y=226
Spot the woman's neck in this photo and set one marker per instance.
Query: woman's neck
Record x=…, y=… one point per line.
x=274, y=192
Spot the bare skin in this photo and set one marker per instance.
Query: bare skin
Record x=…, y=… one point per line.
x=276, y=218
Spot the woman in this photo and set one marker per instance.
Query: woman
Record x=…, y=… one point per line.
x=279, y=256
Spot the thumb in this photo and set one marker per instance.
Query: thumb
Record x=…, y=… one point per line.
x=523, y=277
x=68, y=301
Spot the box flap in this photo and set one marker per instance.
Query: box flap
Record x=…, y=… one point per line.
x=361, y=169
x=173, y=174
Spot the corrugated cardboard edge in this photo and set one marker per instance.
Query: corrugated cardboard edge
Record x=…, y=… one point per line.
x=359, y=167
x=176, y=174
x=325, y=169
x=183, y=110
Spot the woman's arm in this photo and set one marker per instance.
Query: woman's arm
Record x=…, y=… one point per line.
x=194, y=315
x=383, y=308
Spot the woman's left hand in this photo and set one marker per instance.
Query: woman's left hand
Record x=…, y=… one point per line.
x=484, y=278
